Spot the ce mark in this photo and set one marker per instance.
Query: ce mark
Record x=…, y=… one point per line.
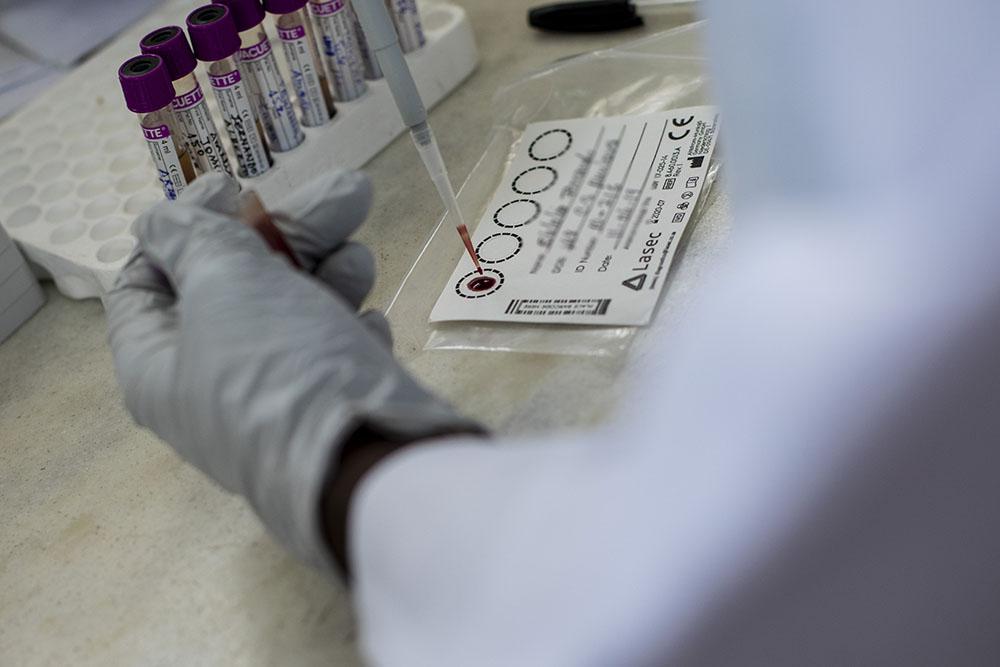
x=680, y=122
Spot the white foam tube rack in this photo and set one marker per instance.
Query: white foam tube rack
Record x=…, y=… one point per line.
x=20, y=295
x=75, y=171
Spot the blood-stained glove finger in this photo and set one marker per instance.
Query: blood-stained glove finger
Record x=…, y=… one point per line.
x=320, y=216
x=187, y=242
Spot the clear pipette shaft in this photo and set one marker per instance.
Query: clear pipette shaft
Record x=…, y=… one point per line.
x=423, y=139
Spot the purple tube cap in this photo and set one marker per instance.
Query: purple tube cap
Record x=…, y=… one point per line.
x=145, y=83
x=246, y=13
x=170, y=44
x=213, y=33
x=283, y=6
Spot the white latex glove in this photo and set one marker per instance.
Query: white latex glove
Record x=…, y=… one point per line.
x=256, y=372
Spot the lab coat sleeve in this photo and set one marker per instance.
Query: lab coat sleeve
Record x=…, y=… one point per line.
x=808, y=476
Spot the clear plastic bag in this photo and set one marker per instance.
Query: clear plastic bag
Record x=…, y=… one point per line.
x=657, y=73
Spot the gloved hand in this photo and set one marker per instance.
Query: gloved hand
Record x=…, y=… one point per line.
x=253, y=371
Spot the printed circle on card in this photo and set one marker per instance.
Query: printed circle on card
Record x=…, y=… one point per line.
x=534, y=180
x=517, y=213
x=550, y=145
x=499, y=247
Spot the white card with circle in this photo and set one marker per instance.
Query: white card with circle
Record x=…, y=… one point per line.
x=586, y=221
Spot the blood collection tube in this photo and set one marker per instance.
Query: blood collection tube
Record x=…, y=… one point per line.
x=373, y=70
x=215, y=41
x=406, y=18
x=260, y=69
x=308, y=78
x=335, y=27
x=148, y=92
x=200, y=134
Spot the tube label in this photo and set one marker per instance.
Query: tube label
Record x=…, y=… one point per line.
x=200, y=135
x=166, y=160
x=188, y=100
x=335, y=24
x=306, y=79
x=241, y=123
x=406, y=18
x=373, y=70
x=276, y=111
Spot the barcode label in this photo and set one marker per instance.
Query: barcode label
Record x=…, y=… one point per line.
x=555, y=307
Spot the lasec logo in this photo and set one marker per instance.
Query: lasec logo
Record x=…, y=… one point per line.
x=635, y=282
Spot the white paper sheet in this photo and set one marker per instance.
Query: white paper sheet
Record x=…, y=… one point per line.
x=21, y=79
x=586, y=222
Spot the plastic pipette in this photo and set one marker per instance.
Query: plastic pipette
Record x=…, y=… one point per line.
x=384, y=43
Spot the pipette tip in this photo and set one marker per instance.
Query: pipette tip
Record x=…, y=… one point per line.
x=463, y=231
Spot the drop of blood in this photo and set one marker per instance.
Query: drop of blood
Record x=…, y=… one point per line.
x=481, y=283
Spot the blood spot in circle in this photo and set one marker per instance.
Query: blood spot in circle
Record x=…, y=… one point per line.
x=481, y=283
x=475, y=285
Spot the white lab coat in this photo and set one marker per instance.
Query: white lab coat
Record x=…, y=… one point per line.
x=811, y=476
